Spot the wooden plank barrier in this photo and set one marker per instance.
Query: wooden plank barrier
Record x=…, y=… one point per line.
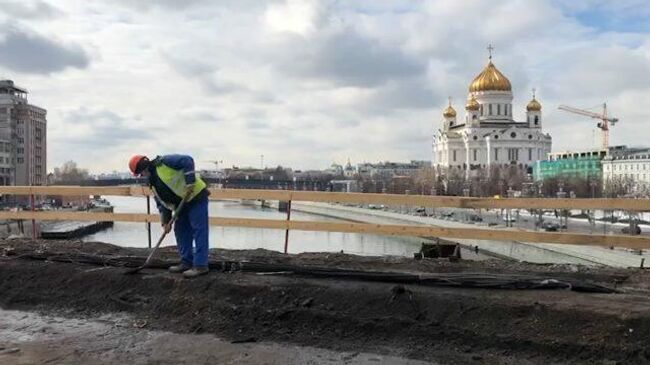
x=625, y=204
x=499, y=234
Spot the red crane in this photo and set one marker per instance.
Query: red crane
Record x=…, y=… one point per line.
x=603, y=125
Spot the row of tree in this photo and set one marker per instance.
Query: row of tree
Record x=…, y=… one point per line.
x=498, y=180
x=501, y=180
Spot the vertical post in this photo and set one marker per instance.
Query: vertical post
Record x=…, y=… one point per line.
x=286, y=232
x=566, y=219
x=31, y=200
x=149, y=223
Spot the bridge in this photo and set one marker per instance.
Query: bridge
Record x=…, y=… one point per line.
x=304, y=185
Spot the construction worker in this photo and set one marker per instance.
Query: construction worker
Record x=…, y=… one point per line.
x=172, y=178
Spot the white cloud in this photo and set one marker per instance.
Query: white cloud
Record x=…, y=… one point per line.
x=302, y=17
x=308, y=82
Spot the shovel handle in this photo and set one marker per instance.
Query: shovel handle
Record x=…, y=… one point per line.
x=162, y=237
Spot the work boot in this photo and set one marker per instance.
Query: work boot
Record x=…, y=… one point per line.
x=177, y=269
x=196, y=271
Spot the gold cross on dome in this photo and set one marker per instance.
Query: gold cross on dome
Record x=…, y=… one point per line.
x=534, y=93
x=490, y=49
x=449, y=98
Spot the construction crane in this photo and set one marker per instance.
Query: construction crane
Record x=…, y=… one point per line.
x=215, y=162
x=603, y=125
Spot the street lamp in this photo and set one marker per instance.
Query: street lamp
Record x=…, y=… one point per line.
x=560, y=186
x=592, y=184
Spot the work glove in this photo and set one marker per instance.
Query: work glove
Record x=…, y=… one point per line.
x=189, y=189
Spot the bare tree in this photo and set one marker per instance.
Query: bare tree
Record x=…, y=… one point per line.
x=69, y=172
x=425, y=180
x=618, y=187
x=455, y=182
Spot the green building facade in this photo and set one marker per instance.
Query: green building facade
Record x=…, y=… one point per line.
x=583, y=167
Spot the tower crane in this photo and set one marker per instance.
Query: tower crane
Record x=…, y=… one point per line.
x=215, y=162
x=603, y=125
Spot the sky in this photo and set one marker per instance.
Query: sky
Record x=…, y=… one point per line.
x=307, y=83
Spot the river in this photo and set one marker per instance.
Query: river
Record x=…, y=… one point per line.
x=135, y=234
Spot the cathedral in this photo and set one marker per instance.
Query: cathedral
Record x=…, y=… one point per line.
x=487, y=136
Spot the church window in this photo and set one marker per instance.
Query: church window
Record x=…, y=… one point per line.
x=498, y=109
x=490, y=109
x=536, y=120
x=475, y=138
x=496, y=154
x=454, y=154
x=530, y=154
x=513, y=135
x=481, y=109
x=530, y=136
x=474, y=117
x=475, y=154
x=505, y=107
x=513, y=154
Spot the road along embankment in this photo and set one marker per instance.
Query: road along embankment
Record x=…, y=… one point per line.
x=454, y=321
x=520, y=251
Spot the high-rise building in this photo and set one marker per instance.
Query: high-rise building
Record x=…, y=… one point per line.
x=23, y=138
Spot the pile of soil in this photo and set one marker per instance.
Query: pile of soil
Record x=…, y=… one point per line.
x=448, y=325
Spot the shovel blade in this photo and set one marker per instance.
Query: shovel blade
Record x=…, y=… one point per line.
x=133, y=270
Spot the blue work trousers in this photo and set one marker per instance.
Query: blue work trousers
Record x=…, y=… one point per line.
x=193, y=225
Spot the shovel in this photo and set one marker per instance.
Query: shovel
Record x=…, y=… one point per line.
x=162, y=237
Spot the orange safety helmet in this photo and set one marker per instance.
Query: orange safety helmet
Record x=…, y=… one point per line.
x=134, y=162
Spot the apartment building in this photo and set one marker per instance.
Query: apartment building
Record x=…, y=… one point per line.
x=23, y=138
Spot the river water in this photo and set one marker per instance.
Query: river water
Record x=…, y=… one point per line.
x=135, y=234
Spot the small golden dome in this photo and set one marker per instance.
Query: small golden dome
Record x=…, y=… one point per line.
x=449, y=112
x=534, y=106
x=472, y=104
x=490, y=79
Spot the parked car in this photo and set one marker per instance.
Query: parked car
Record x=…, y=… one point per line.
x=550, y=226
x=626, y=230
x=475, y=218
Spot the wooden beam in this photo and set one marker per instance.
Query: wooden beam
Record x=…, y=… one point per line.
x=354, y=198
x=380, y=229
x=433, y=201
x=432, y=231
x=59, y=215
x=66, y=190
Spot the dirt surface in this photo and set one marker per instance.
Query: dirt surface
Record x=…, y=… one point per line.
x=29, y=338
x=439, y=324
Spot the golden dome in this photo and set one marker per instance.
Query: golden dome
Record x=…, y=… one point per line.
x=534, y=106
x=472, y=104
x=490, y=79
x=449, y=112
